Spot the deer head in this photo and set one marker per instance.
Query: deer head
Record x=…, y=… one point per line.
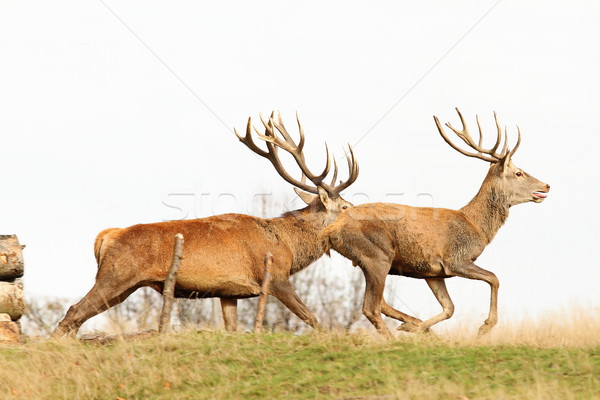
x=508, y=179
x=321, y=194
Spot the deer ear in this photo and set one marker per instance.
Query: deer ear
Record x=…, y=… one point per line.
x=324, y=197
x=304, y=196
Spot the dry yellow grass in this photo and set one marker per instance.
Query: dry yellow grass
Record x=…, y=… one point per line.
x=577, y=327
x=547, y=358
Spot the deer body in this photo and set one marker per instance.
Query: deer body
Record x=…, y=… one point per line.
x=223, y=255
x=219, y=259
x=417, y=250
x=432, y=243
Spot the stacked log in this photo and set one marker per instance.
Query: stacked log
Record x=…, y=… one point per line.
x=12, y=299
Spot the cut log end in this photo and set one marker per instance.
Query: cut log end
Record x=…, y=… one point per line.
x=11, y=258
x=9, y=332
x=12, y=299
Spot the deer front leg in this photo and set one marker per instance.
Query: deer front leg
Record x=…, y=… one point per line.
x=284, y=292
x=472, y=271
x=375, y=274
x=229, y=308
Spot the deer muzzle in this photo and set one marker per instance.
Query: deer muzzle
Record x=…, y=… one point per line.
x=540, y=195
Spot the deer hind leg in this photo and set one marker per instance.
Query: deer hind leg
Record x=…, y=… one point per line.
x=229, y=308
x=100, y=298
x=438, y=287
x=472, y=271
x=391, y=312
x=284, y=292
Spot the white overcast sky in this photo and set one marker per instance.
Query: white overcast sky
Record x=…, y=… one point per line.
x=111, y=110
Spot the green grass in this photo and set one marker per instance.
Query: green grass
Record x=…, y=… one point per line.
x=213, y=365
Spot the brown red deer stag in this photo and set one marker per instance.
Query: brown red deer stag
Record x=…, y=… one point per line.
x=224, y=254
x=434, y=243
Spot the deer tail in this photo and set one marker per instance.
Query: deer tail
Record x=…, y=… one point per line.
x=100, y=244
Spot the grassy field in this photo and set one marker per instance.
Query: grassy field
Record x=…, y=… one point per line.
x=217, y=365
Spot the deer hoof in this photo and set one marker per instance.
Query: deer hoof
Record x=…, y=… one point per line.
x=484, y=330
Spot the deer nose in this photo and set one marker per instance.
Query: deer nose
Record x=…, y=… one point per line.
x=548, y=187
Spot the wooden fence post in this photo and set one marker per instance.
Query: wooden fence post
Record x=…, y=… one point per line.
x=264, y=291
x=217, y=314
x=169, y=288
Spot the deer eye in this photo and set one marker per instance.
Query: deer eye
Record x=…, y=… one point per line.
x=519, y=173
x=344, y=207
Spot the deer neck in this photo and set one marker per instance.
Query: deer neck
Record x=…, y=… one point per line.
x=488, y=210
x=300, y=230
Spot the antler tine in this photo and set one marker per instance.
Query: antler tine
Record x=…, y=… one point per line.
x=267, y=137
x=288, y=138
x=466, y=136
x=505, y=147
x=281, y=128
x=518, y=142
x=487, y=155
x=353, y=172
x=317, y=180
x=268, y=128
x=296, y=151
x=247, y=140
x=335, y=173
x=499, y=137
x=270, y=135
x=271, y=126
x=480, y=132
x=455, y=147
x=275, y=141
x=301, y=130
x=484, y=154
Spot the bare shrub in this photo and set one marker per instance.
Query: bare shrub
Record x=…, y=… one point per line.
x=142, y=309
x=334, y=296
x=42, y=315
x=193, y=312
x=139, y=312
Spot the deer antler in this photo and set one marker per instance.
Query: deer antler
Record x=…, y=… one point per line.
x=489, y=155
x=274, y=142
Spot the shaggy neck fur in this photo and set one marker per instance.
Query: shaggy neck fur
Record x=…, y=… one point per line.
x=489, y=208
x=300, y=231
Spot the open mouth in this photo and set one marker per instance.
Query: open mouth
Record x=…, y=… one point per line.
x=540, y=195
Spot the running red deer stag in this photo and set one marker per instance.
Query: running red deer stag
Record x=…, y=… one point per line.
x=434, y=243
x=224, y=254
